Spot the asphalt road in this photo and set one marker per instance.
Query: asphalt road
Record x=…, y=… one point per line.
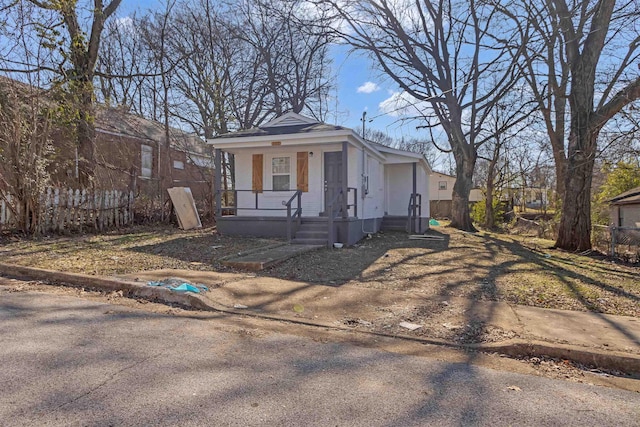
x=69, y=361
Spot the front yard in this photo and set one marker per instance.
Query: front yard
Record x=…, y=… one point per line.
x=482, y=266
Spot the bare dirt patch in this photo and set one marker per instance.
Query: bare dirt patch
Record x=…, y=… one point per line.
x=478, y=266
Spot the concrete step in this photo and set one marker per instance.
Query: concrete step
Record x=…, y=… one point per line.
x=309, y=242
x=314, y=226
x=397, y=223
x=312, y=234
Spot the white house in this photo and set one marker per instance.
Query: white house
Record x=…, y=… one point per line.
x=441, y=194
x=317, y=183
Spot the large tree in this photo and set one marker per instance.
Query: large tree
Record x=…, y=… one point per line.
x=584, y=54
x=445, y=56
x=80, y=49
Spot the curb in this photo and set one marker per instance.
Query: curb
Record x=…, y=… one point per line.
x=610, y=360
x=128, y=287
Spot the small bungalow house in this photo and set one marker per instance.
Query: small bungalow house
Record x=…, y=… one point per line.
x=625, y=209
x=316, y=183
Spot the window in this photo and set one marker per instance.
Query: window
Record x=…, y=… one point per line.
x=442, y=185
x=146, y=161
x=177, y=164
x=281, y=173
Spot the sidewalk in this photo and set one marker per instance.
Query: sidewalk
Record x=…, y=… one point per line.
x=606, y=341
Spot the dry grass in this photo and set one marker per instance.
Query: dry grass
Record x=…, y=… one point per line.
x=481, y=266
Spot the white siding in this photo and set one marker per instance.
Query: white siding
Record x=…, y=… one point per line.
x=312, y=201
x=422, y=187
x=371, y=204
x=437, y=181
x=399, y=187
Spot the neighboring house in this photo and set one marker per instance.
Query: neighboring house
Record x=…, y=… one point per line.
x=317, y=183
x=625, y=209
x=132, y=153
x=441, y=194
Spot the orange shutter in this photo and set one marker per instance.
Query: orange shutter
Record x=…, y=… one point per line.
x=303, y=171
x=257, y=173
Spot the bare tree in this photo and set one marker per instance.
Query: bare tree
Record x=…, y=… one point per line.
x=510, y=118
x=444, y=55
x=76, y=70
x=26, y=150
x=588, y=52
x=124, y=66
x=287, y=65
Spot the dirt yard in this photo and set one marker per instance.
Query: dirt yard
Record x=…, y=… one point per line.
x=481, y=266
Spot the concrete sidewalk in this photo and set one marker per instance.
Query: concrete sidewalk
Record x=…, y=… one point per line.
x=605, y=341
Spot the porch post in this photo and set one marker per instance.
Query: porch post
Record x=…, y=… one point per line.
x=218, y=182
x=345, y=177
x=414, y=198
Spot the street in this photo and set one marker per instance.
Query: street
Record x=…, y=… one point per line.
x=71, y=361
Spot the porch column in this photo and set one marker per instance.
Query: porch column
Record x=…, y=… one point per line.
x=414, y=207
x=218, y=182
x=345, y=177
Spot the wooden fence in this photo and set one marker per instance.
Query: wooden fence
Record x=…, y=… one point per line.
x=74, y=210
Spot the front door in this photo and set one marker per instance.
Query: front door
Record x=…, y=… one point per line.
x=332, y=177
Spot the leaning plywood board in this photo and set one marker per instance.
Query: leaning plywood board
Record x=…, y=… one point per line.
x=185, y=207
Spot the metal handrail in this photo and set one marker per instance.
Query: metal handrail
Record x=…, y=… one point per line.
x=298, y=213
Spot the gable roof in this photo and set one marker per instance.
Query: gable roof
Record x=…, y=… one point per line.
x=290, y=119
x=284, y=129
x=628, y=197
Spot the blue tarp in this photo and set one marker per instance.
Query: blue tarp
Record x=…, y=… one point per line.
x=179, y=285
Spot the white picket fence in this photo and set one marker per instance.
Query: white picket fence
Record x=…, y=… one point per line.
x=73, y=210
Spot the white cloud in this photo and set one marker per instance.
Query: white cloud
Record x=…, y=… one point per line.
x=402, y=104
x=368, y=87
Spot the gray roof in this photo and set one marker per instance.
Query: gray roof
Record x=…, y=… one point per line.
x=628, y=197
x=282, y=130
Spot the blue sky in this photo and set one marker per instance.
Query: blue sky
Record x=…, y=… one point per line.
x=359, y=87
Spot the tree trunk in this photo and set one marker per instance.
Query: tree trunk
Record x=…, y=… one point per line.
x=465, y=164
x=574, y=233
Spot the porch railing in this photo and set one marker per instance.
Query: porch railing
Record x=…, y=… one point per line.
x=337, y=206
x=414, y=213
x=293, y=213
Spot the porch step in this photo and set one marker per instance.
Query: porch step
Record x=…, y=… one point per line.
x=312, y=232
x=311, y=242
x=394, y=223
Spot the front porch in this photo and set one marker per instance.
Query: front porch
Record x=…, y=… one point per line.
x=339, y=224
